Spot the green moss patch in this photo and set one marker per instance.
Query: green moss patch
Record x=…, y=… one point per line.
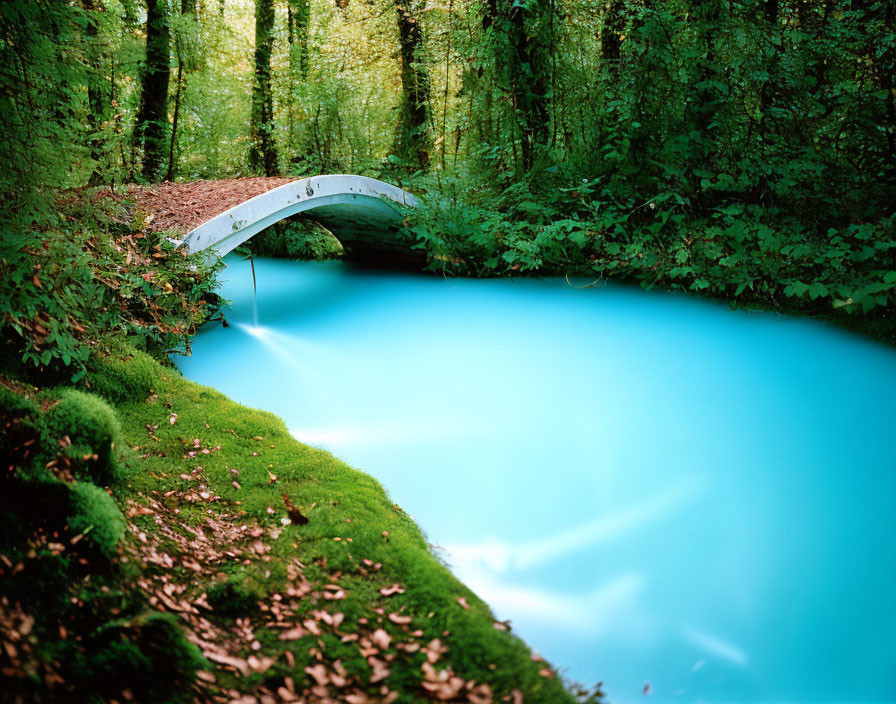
x=96, y=516
x=92, y=430
x=298, y=570
x=76, y=623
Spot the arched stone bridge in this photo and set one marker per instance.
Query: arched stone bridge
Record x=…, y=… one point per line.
x=363, y=213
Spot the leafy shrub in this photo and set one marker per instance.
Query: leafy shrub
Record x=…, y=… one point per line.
x=93, y=429
x=71, y=280
x=147, y=654
x=96, y=515
x=297, y=238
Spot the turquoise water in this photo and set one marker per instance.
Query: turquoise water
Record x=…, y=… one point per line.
x=653, y=488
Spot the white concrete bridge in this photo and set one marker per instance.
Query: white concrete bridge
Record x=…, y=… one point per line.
x=363, y=213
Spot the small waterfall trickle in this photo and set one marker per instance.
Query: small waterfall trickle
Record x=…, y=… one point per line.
x=254, y=294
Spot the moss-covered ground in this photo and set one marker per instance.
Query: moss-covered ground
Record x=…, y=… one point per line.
x=292, y=574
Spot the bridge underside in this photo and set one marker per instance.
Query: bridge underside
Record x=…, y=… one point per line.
x=363, y=213
x=368, y=232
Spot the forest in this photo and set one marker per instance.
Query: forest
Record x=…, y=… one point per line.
x=740, y=151
x=744, y=150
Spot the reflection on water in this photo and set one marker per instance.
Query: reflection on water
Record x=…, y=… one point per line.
x=652, y=488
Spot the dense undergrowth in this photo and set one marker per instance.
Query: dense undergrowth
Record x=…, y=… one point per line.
x=75, y=275
x=741, y=253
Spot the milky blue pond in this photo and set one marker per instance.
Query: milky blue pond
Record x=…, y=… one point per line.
x=653, y=488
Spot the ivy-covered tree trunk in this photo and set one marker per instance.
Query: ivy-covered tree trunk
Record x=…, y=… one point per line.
x=298, y=17
x=709, y=19
x=530, y=67
x=412, y=138
x=263, y=156
x=96, y=104
x=184, y=63
x=519, y=37
x=611, y=32
x=152, y=119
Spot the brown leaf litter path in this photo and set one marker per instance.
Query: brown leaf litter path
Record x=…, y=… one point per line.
x=180, y=207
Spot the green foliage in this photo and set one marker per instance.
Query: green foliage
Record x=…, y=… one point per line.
x=96, y=516
x=40, y=106
x=297, y=238
x=147, y=654
x=22, y=431
x=66, y=285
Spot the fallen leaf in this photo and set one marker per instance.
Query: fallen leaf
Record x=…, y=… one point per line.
x=318, y=673
x=241, y=665
x=380, y=671
x=260, y=664
x=435, y=650
x=381, y=639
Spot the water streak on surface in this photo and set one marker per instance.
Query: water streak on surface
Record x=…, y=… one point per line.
x=652, y=487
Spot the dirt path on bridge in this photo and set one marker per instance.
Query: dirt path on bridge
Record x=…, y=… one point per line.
x=183, y=206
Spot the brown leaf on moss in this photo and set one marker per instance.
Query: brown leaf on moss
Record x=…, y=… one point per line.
x=381, y=639
x=380, y=671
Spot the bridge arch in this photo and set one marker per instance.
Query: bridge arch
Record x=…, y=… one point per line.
x=360, y=211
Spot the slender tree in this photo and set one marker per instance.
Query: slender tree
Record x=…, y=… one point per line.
x=185, y=62
x=412, y=137
x=520, y=41
x=263, y=155
x=96, y=104
x=611, y=32
x=531, y=31
x=298, y=17
x=152, y=118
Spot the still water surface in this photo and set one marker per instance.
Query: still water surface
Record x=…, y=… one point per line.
x=653, y=488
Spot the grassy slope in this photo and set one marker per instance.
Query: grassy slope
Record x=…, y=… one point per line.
x=355, y=539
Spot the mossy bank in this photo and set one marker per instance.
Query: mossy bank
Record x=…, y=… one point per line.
x=226, y=555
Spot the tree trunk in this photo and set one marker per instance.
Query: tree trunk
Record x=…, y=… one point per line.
x=412, y=139
x=530, y=71
x=152, y=119
x=96, y=106
x=611, y=34
x=298, y=19
x=519, y=43
x=263, y=155
x=187, y=9
x=177, y=96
